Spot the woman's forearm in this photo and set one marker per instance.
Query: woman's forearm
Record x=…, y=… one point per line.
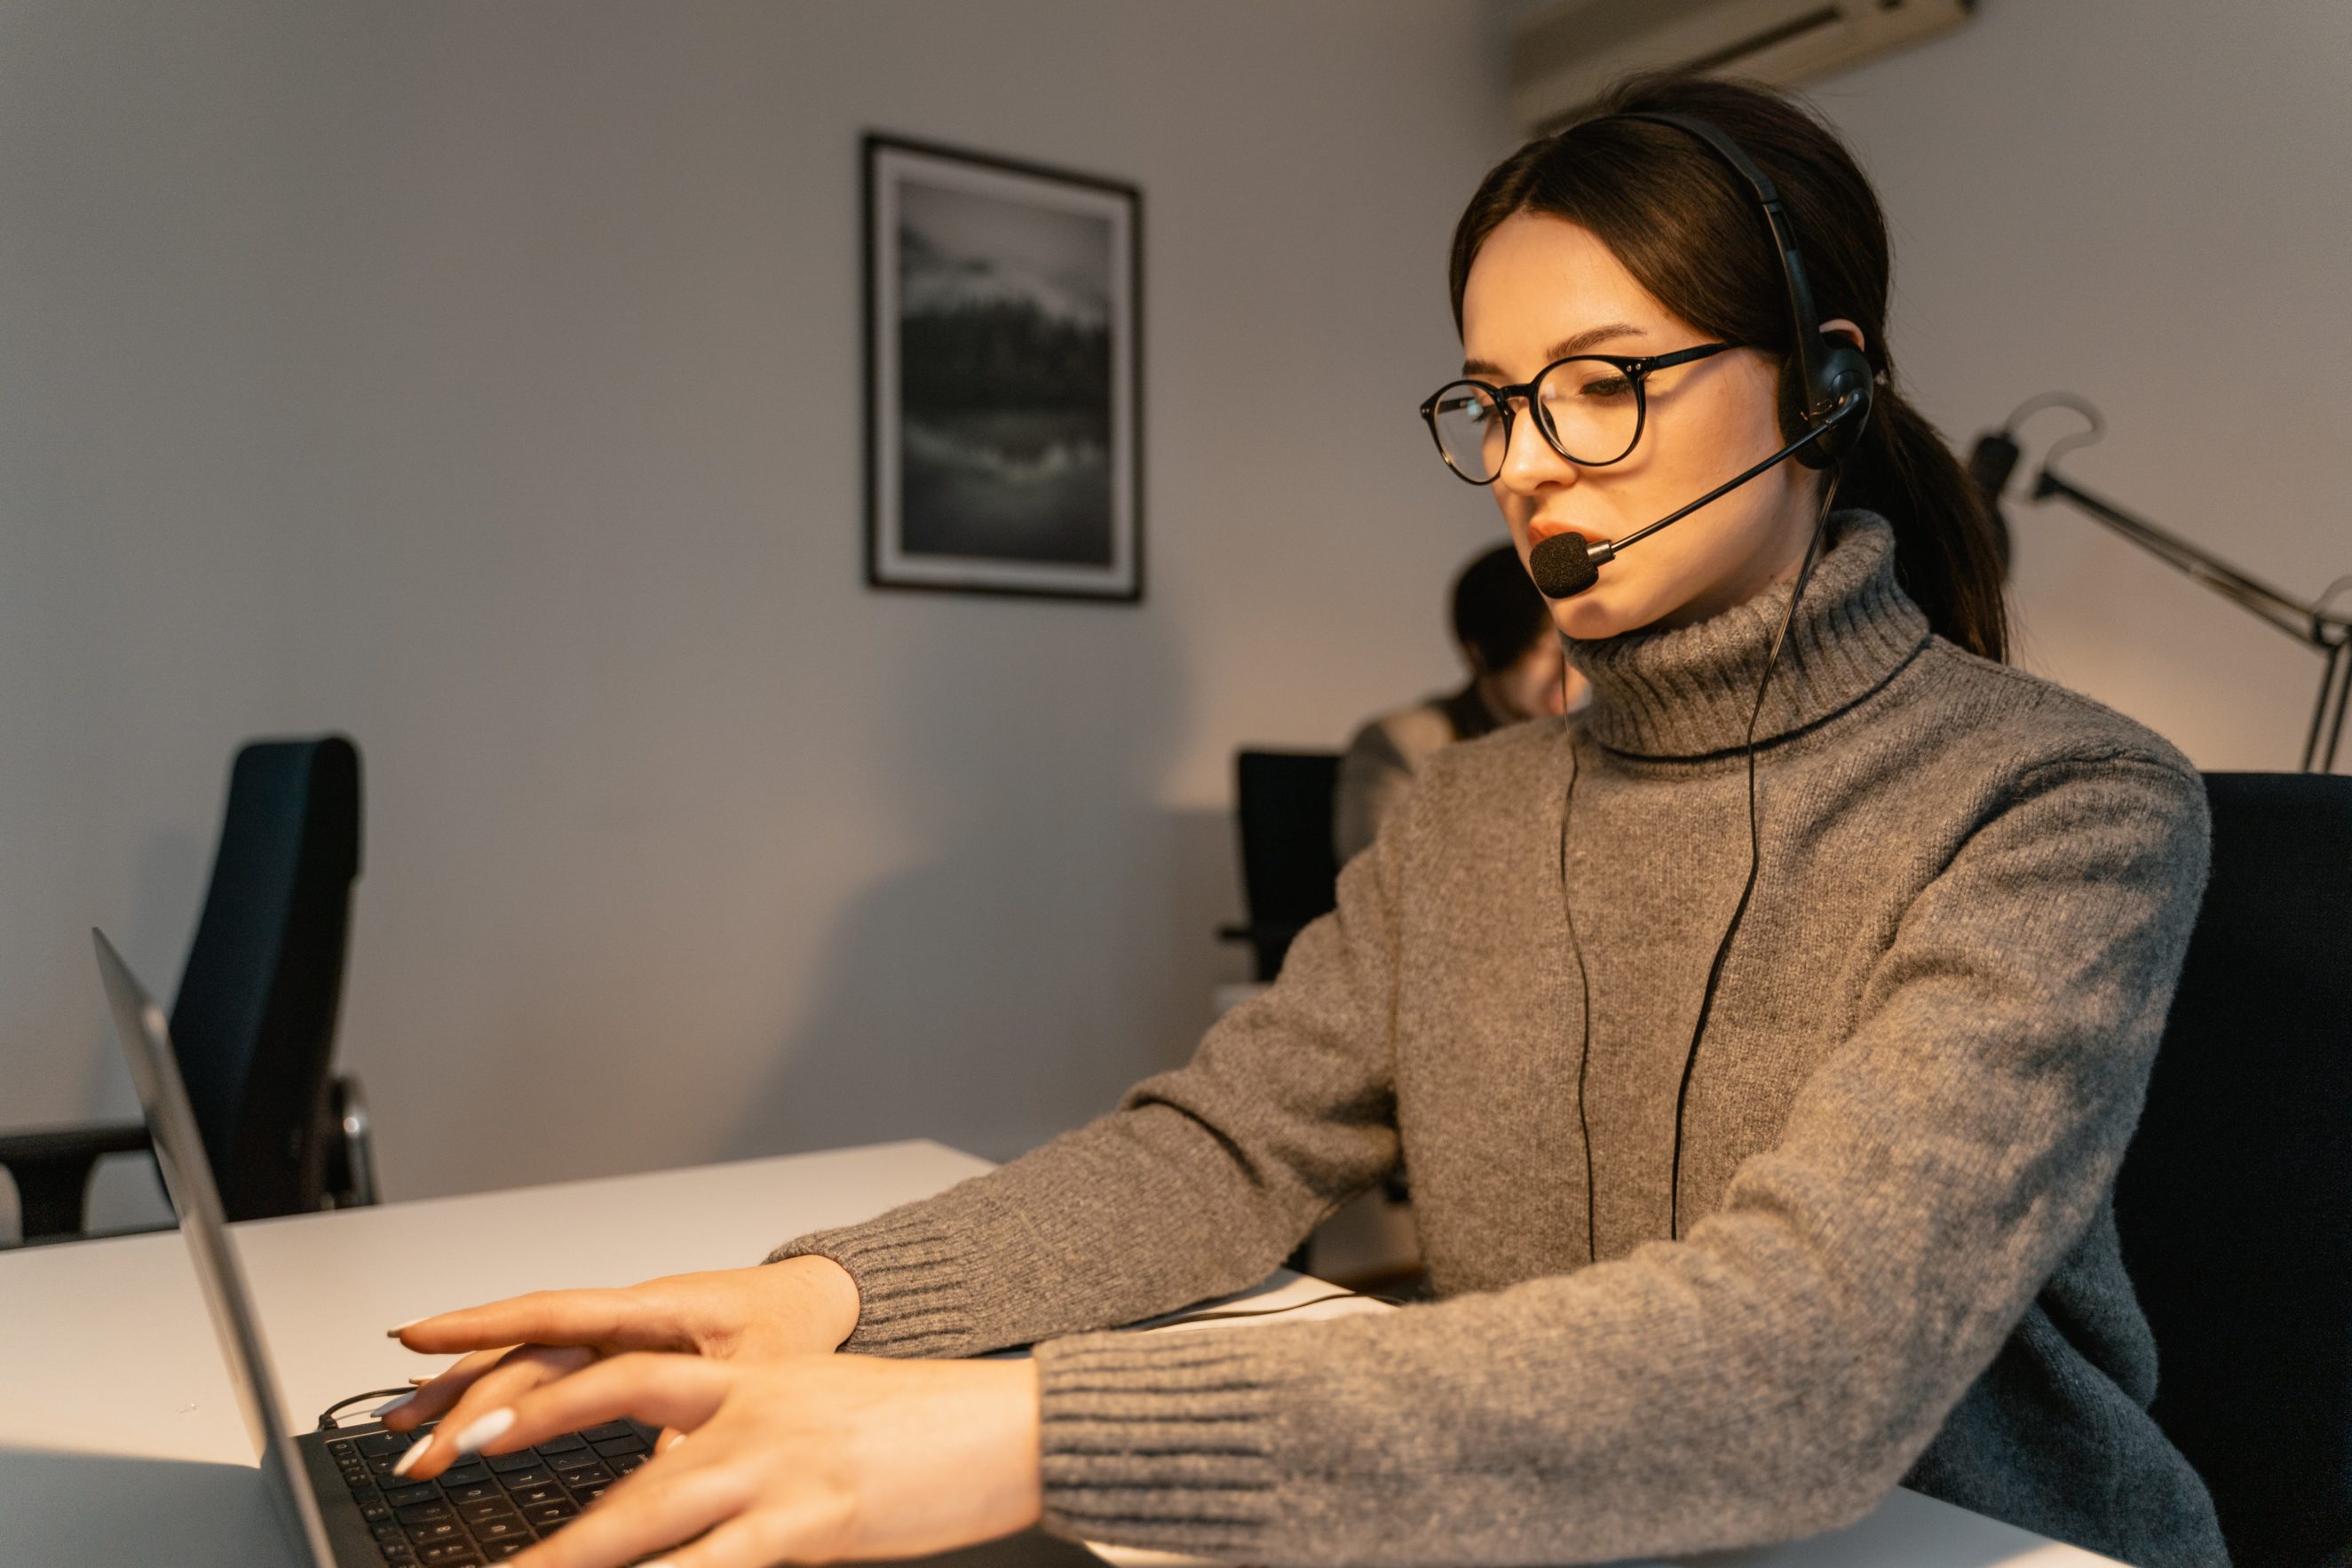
x=1198, y=1185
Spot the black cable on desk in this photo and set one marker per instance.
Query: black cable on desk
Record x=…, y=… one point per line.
x=1221, y=1313
x=327, y=1417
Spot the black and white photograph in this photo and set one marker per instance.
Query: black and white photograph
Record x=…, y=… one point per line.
x=1002, y=323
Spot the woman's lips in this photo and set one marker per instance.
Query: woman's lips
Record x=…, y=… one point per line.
x=1540, y=532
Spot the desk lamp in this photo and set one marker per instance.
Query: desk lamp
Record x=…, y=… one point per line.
x=2324, y=630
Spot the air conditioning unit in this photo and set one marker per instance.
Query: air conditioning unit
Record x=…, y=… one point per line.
x=1565, y=52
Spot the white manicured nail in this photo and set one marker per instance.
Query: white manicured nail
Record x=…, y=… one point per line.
x=407, y=1461
x=389, y=1406
x=399, y=1329
x=488, y=1429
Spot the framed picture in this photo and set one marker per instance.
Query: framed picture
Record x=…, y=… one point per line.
x=1003, y=377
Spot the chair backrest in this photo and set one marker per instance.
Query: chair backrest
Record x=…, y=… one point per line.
x=1290, y=872
x=2235, y=1198
x=254, y=1024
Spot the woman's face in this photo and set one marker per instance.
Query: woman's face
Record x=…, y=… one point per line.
x=1542, y=289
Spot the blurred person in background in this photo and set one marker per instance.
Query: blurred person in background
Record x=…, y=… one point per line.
x=1518, y=672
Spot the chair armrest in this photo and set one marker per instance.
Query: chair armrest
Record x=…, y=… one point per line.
x=1271, y=931
x=350, y=1151
x=38, y=1146
x=1269, y=943
x=51, y=1167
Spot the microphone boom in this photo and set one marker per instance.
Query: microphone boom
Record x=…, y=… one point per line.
x=1565, y=564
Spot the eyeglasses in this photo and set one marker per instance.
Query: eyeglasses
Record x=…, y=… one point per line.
x=1590, y=407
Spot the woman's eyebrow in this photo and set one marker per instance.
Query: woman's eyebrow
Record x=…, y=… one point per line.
x=1575, y=345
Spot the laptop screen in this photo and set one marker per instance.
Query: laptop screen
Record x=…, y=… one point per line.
x=146, y=1040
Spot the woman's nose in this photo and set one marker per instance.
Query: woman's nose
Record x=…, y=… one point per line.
x=1529, y=460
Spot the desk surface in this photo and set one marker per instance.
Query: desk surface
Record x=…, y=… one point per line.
x=119, y=1440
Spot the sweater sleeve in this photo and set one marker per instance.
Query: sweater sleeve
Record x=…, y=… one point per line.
x=1198, y=1184
x=1775, y=1372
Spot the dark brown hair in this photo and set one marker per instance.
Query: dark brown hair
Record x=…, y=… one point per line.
x=1689, y=229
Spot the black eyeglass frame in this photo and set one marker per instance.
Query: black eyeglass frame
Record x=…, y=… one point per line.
x=1637, y=369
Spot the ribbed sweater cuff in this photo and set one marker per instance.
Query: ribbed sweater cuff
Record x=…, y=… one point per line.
x=912, y=1280
x=1162, y=1441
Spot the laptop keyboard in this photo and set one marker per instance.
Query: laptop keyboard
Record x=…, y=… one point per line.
x=487, y=1507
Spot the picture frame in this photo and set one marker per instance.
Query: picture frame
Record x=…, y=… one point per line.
x=1003, y=305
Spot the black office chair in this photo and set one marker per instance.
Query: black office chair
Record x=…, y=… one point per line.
x=2235, y=1198
x=253, y=1025
x=1290, y=873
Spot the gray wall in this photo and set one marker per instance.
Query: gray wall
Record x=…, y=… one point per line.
x=2144, y=202
x=483, y=381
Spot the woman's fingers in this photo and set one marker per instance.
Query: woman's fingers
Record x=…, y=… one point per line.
x=517, y=1373
x=679, y=1390
x=814, y=1460
x=803, y=1532
x=434, y=1395
x=656, y=1507
x=543, y=1317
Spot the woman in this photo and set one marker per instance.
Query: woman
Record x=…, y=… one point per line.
x=1517, y=674
x=1743, y=1204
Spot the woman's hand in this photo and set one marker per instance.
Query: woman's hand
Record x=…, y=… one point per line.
x=809, y=1459
x=803, y=1306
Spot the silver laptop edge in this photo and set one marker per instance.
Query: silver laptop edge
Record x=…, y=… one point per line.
x=196, y=1198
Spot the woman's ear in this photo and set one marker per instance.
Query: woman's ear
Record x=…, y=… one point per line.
x=1846, y=330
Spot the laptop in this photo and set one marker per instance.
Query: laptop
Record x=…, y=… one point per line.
x=332, y=1490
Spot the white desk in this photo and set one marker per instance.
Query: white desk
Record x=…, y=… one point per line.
x=120, y=1441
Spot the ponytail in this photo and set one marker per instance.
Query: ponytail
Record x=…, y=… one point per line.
x=1948, y=553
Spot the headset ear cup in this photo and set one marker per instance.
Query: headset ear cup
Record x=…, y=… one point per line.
x=1842, y=373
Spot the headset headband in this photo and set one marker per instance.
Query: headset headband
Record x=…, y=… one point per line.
x=1818, y=378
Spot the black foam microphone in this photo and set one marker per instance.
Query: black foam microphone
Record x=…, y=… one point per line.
x=1566, y=565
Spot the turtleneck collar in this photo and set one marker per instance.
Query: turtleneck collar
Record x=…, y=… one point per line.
x=1687, y=693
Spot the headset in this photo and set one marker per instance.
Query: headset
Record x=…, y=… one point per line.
x=1825, y=382
x=1825, y=396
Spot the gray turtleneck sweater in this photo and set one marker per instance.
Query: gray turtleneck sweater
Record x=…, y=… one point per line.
x=1896, y=1257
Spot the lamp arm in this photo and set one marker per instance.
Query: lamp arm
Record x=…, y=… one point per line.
x=2307, y=622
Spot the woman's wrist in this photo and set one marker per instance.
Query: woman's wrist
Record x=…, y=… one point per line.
x=826, y=1292
x=1025, y=1441
x=996, y=1424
